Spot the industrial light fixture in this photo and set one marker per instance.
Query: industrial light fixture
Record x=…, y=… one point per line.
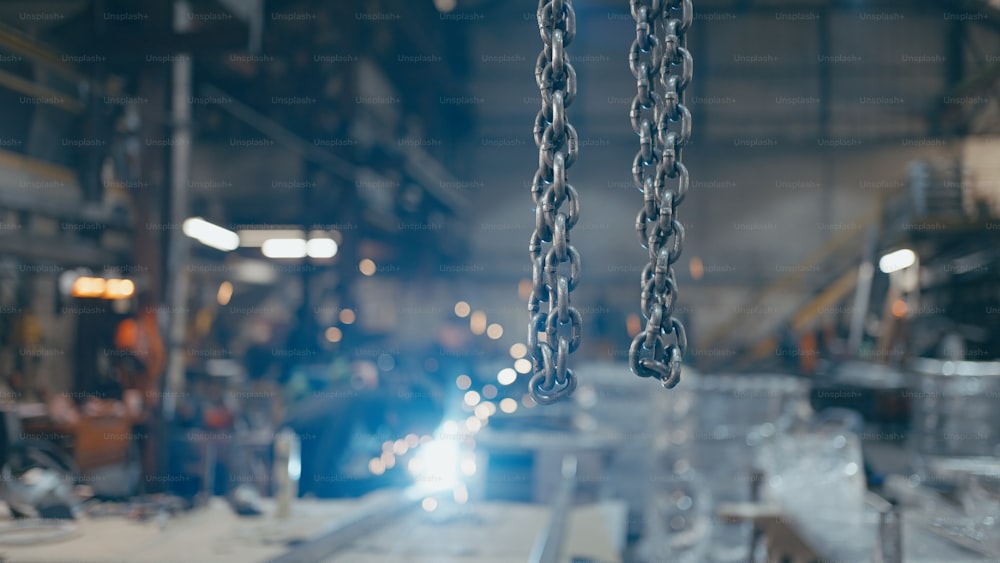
x=319, y=243
x=284, y=248
x=86, y=286
x=211, y=234
x=897, y=260
x=254, y=238
x=118, y=289
x=297, y=247
x=101, y=288
x=321, y=248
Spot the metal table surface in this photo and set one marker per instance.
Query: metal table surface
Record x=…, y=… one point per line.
x=479, y=532
x=921, y=546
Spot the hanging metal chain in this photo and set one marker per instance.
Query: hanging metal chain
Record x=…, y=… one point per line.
x=555, y=268
x=659, y=51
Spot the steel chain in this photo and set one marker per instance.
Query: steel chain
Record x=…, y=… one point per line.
x=555, y=263
x=663, y=123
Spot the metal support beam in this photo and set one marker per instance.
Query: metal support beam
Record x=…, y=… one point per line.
x=549, y=546
x=179, y=245
x=425, y=168
x=344, y=532
x=825, y=83
x=277, y=132
x=15, y=41
x=863, y=290
x=54, y=97
x=889, y=542
x=842, y=244
x=66, y=253
x=67, y=210
x=800, y=319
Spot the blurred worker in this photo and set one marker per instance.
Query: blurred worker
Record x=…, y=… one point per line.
x=144, y=360
x=144, y=357
x=265, y=407
x=328, y=421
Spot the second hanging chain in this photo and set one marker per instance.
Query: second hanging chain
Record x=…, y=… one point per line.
x=659, y=173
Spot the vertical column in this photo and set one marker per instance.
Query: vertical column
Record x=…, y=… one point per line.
x=178, y=246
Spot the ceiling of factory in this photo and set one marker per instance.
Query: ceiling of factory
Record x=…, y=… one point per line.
x=452, y=148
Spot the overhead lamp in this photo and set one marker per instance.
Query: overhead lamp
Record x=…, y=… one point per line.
x=321, y=248
x=254, y=238
x=96, y=287
x=299, y=248
x=87, y=286
x=211, y=234
x=898, y=260
x=118, y=289
x=284, y=248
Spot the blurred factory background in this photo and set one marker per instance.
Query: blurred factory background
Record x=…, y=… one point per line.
x=264, y=286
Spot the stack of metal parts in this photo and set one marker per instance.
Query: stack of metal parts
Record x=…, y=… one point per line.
x=960, y=526
x=685, y=450
x=610, y=401
x=955, y=439
x=955, y=417
x=707, y=434
x=816, y=480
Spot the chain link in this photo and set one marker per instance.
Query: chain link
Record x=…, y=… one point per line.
x=554, y=334
x=663, y=123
